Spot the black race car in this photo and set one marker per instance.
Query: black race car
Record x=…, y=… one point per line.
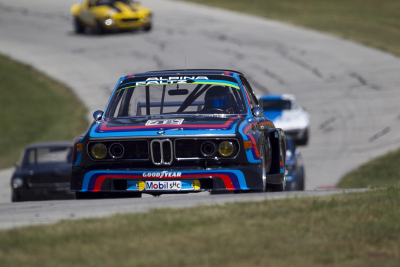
x=43, y=173
x=179, y=131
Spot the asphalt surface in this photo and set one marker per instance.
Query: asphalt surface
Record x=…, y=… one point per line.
x=351, y=91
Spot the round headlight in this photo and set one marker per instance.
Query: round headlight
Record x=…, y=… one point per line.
x=116, y=150
x=99, y=151
x=225, y=148
x=17, y=182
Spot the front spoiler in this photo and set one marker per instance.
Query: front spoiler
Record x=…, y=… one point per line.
x=230, y=179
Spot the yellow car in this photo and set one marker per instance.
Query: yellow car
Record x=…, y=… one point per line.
x=110, y=15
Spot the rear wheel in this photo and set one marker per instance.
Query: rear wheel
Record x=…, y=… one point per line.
x=78, y=27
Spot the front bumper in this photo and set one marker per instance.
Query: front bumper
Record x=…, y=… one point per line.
x=228, y=179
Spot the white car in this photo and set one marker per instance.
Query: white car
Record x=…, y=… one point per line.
x=284, y=111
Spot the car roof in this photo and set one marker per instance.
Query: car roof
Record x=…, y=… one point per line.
x=189, y=72
x=279, y=97
x=50, y=144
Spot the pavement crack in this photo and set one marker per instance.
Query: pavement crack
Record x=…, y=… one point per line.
x=269, y=74
x=379, y=134
x=363, y=81
x=326, y=126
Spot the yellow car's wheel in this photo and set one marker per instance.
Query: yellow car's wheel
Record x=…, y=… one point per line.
x=98, y=29
x=78, y=27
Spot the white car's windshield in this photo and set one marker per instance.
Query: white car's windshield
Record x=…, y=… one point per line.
x=276, y=104
x=215, y=94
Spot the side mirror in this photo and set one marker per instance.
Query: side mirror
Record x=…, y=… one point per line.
x=16, y=165
x=97, y=115
x=258, y=111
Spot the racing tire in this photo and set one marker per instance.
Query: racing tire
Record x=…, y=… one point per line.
x=98, y=29
x=14, y=198
x=303, y=141
x=147, y=28
x=78, y=27
x=275, y=187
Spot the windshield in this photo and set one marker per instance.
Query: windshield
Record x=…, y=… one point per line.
x=111, y=2
x=143, y=96
x=48, y=155
x=276, y=104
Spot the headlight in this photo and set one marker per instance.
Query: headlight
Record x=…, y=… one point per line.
x=99, y=151
x=109, y=22
x=17, y=182
x=225, y=148
x=290, y=168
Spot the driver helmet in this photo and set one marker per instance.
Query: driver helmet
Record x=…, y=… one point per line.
x=219, y=97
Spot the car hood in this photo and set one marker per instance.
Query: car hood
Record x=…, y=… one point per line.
x=120, y=10
x=171, y=124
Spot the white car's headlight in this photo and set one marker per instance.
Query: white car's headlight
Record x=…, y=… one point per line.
x=17, y=182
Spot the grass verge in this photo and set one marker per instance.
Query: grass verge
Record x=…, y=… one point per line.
x=34, y=108
x=344, y=230
x=371, y=22
x=380, y=172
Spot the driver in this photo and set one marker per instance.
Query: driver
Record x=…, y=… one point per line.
x=219, y=98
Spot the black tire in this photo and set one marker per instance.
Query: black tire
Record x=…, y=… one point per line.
x=304, y=140
x=300, y=187
x=14, y=198
x=78, y=27
x=98, y=29
x=275, y=188
x=147, y=28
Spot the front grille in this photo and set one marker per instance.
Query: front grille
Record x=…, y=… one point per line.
x=161, y=152
x=130, y=20
x=188, y=148
x=133, y=149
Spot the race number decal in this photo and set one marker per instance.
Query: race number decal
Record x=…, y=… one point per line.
x=164, y=122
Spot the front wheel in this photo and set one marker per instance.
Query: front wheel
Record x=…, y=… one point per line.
x=275, y=187
x=78, y=27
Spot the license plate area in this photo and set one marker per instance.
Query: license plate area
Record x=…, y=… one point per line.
x=154, y=185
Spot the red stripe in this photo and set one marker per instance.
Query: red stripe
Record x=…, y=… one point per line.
x=101, y=178
x=253, y=141
x=104, y=127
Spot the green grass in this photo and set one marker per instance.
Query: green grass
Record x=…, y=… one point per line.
x=372, y=22
x=34, y=108
x=359, y=229
x=380, y=172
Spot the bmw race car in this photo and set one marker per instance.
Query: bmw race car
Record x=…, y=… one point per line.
x=110, y=15
x=179, y=131
x=295, y=174
x=287, y=114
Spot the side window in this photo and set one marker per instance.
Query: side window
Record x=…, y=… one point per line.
x=250, y=93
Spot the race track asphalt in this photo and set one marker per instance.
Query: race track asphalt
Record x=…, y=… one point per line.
x=351, y=91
